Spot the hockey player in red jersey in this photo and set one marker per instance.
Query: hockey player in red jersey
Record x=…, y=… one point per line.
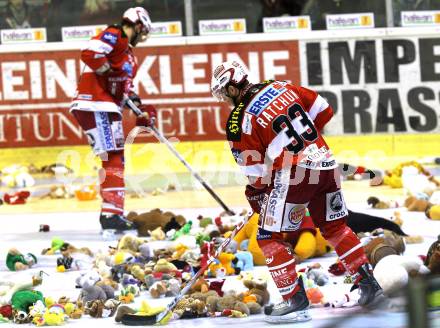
x=106, y=81
x=275, y=136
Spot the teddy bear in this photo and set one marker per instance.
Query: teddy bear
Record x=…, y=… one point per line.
x=258, y=287
x=228, y=302
x=415, y=204
x=58, y=192
x=162, y=270
x=249, y=231
x=90, y=290
x=149, y=221
x=378, y=248
x=9, y=288
x=247, y=303
x=376, y=203
x=101, y=309
x=190, y=308
x=392, y=272
x=307, y=241
x=130, y=243
x=432, y=260
x=167, y=288
x=395, y=178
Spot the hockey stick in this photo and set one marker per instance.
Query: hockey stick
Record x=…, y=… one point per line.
x=140, y=320
x=165, y=141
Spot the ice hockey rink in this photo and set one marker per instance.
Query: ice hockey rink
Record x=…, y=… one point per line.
x=80, y=227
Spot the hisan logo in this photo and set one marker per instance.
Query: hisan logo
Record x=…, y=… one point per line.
x=110, y=38
x=264, y=98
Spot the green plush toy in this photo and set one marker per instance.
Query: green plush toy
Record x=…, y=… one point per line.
x=183, y=231
x=55, y=246
x=23, y=299
x=16, y=261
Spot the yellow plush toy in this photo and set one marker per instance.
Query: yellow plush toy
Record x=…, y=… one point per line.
x=307, y=243
x=433, y=212
x=226, y=261
x=393, y=178
x=249, y=231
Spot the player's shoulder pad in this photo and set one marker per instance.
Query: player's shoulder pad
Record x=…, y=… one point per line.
x=111, y=35
x=233, y=124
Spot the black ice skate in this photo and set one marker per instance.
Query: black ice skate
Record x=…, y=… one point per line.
x=115, y=222
x=370, y=290
x=294, y=309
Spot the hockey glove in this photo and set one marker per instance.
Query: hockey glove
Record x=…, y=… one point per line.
x=149, y=115
x=134, y=98
x=255, y=197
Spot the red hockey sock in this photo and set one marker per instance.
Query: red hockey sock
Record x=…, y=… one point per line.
x=347, y=246
x=281, y=264
x=112, y=184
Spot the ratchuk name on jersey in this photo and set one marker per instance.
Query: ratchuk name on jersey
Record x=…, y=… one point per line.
x=270, y=101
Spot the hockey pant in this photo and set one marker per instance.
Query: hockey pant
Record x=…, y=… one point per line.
x=106, y=137
x=291, y=192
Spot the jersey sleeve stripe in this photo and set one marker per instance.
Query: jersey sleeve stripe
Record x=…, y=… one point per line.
x=319, y=105
x=99, y=46
x=277, y=145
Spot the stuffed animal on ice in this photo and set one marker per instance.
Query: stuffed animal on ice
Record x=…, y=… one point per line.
x=90, y=290
x=149, y=221
x=8, y=288
x=16, y=261
x=409, y=174
x=17, y=176
x=307, y=241
x=393, y=271
x=432, y=260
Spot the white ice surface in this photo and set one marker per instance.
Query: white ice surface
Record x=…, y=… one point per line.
x=82, y=229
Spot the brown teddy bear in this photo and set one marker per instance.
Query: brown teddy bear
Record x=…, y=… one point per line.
x=228, y=302
x=130, y=243
x=433, y=257
x=149, y=221
x=258, y=287
x=416, y=205
x=189, y=307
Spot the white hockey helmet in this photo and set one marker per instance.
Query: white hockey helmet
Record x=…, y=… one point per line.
x=138, y=15
x=224, y=75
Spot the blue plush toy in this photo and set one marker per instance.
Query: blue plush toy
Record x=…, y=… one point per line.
x=245, y=259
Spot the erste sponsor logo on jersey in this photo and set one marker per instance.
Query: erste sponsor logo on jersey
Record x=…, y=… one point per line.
x=109, y=38
x=264, y=98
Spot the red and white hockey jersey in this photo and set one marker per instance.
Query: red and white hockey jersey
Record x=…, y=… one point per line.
x=112, y=46
x=278, y=122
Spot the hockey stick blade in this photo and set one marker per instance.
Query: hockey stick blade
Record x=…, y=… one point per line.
x=148, y=320
x=139, y=320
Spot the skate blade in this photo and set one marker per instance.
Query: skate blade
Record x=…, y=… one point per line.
x=379, y=302
x=299, y=316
